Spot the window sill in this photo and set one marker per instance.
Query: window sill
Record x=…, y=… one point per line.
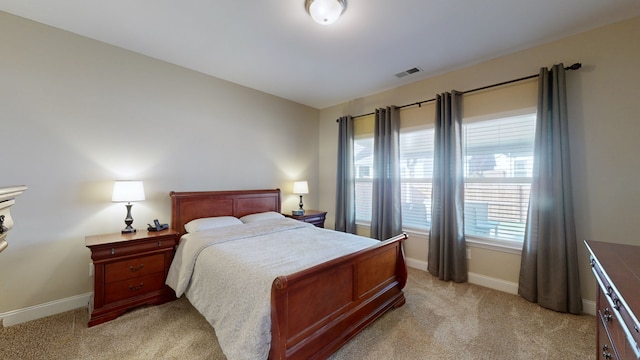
x=506, y=246
x=409, y=230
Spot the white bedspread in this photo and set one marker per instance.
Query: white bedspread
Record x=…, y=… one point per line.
x=226, y=273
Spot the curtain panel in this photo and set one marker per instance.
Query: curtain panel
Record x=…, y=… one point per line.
x=447, y=246
x=345, y=186
x=386, y=215
x=549, y=266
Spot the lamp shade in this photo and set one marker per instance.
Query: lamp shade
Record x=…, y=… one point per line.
x=127, y=191
x=300, y=187
x=325, y=12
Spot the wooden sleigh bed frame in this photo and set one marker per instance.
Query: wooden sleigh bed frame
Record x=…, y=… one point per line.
x=317, y=310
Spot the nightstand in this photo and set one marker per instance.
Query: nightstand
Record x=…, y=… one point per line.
x=129, y=270
x=314, y=217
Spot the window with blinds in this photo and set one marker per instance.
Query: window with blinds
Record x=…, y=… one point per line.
x=498, y=164
x=363, y=161
x=416, y=168
x=416, y=172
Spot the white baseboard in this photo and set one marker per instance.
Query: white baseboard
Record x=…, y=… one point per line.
x=482, y=280
x=416, y=264
x=494, y=283
x=19, y=316
x=588, y=306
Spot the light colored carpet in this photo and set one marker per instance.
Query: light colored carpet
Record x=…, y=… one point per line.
x=440, y=320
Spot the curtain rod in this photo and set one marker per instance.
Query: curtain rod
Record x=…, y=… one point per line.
x=575, y=66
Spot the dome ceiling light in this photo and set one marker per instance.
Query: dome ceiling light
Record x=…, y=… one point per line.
x=325, y=12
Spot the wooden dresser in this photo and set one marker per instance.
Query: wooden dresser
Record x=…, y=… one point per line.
x=617, y=271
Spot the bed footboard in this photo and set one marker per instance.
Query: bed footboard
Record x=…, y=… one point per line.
x=317, y=310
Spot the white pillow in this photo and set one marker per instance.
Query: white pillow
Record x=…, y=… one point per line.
x=261, y=216
x=211, y=223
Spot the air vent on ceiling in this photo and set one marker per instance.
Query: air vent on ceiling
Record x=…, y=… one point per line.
x=408, y=72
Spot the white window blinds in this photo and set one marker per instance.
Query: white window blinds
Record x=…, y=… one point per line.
x=498, y=165
x=363, y=161
x=416, y=172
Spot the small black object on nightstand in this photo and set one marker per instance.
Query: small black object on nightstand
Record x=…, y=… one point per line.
x=158, y=226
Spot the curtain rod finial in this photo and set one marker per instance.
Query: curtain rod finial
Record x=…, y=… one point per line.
x=575, y=66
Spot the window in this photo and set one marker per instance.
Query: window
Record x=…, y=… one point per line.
x=363, y=161
x=498, y=162
x=416, y=172
x=498, y=165
x=416, y=167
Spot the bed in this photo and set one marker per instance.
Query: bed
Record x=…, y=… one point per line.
x=312, y=311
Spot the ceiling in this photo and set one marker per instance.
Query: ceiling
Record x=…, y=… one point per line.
x=274, y=46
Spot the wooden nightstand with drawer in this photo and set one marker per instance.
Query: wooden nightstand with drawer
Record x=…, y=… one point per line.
x=314, y=217
x=129, y=270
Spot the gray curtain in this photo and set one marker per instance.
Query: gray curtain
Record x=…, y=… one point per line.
x=345, y=187
x=549, y=267
x=386, y=216
x=447, y=246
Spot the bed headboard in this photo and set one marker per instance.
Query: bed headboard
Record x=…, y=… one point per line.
x=186, y=206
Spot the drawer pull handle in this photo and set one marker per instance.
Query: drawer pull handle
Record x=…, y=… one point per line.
x=159, y=243
x=617, y=304
x=134, y=269
x=607, y=315
x=113, y=251
x=136, y=288
x=605, y=353
x=609, y=291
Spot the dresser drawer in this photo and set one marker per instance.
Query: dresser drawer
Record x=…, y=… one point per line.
x=605, y=344
x=629, y=349
x=133, y=287
x=617, y=318
x=315, y=220
x=129, y=248
x=135, y=267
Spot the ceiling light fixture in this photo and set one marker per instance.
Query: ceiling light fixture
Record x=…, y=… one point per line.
x=325, y=12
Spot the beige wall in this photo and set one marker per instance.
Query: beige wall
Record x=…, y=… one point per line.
x=75, y=114
x=604, y=126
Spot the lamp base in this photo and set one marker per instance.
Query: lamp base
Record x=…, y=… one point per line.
x=128, y=230
x=128, y=221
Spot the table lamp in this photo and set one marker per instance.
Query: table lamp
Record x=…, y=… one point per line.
x=128, y=191
x=300, y=188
